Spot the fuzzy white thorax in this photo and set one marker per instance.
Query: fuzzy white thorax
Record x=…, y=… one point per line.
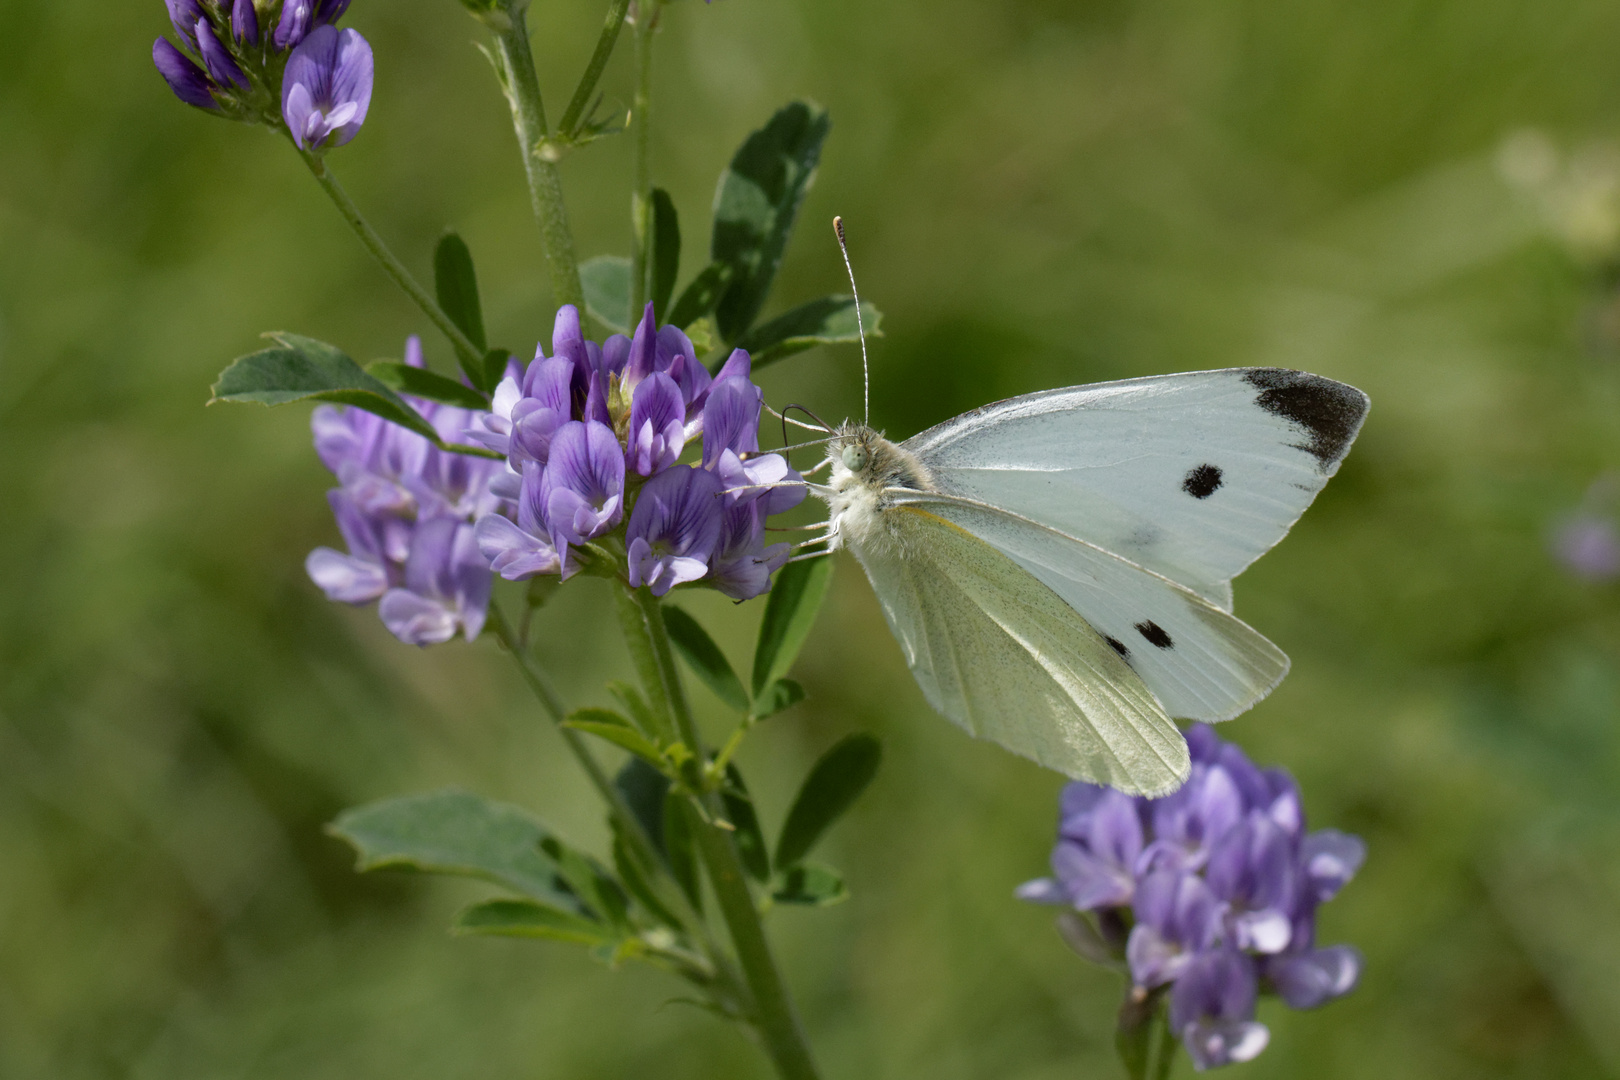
x=856, y=499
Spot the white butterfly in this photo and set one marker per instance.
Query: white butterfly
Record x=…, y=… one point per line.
x=1057, y=567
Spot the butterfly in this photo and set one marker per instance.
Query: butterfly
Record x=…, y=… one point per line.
x=1058, y=567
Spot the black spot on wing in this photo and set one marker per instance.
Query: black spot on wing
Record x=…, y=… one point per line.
x=1154, y=633
x=1118, y=646
x=1331, y=411
x=1202, y=481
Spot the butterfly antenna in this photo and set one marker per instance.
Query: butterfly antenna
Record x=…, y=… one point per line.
x=866, y=373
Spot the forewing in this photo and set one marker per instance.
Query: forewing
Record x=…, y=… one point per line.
x=1193, y=476
x=1000, y=654
x=1201, y=662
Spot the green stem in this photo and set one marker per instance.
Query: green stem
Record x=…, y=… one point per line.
x=775, y=1017
x=379, y=250
x=641, y=166
x=651, y=864
x=539, y=164
x=593, y=71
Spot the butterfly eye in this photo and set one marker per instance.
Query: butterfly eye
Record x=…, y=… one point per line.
x=854, y=458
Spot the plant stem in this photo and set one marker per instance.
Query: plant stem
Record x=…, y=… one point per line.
x=646, y=855
x=641, y=168
x=775, y=1017
x=575, y=115
x=379, y=250
x=545, y=184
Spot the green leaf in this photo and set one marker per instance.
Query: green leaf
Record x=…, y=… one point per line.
x=422, y=383
x=701, y=294
x=789, y=613
x=636, y=883
x=634, y=704
x=303, y=369
x=809, y=884
x=644, y=788
x=827, y=321
x=832, y=787
x=524, y=918
x=615, y=729
x=664, y=261
x=704, y=657
x=748, y=836
x=756, y=204
x=455, y=832
x=495, y=368
x=456, y=284
x=606, y=280
x=589, y=881
x=680, y=848
x=781, y=694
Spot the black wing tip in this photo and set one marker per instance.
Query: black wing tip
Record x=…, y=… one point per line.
x=1332, y=412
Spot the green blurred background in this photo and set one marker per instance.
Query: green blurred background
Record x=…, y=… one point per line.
x=1039, y=193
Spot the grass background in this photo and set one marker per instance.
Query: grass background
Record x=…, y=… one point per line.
x=1039, y=193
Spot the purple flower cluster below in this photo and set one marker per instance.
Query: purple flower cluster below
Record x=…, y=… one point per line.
x=1218, y=885
x=593, y=436
x=406, y=511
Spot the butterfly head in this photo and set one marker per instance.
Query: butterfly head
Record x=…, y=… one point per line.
x=861, y=457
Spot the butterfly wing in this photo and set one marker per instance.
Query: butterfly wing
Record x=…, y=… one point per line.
x=1193, y=476
x=1201, y=662
x=1004, y=657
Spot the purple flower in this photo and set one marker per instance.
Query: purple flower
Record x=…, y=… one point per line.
x=674, y=528
x=1100, y=842
x=657, y=424
x=327, y=87
x=1189, y=821
x=188, y=81
x=1329, y=859
x=1588, y=546
x=184, y=15
x=523, y=549
x=363, y=574
x=544, y=407
x=742, y=565
x=221, y=67
x=245, y=23
x=1312, y=977
x=1177, y=916
x=1253, y=869
x=446, y=586
x=582, y=490
x=296, y=17
x=1222, y=883
x=1212, y=1010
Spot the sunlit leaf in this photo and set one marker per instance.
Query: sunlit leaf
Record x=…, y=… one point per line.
x=790, y=611
x=606, y=280
x=455, y=832
x=781, y=694
x=303, y=369
x=827, y=321
x=809, y=884
x=613, y=728
x=525, y=918
x=832, y=787
x=422, y=383
x=704, y=657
